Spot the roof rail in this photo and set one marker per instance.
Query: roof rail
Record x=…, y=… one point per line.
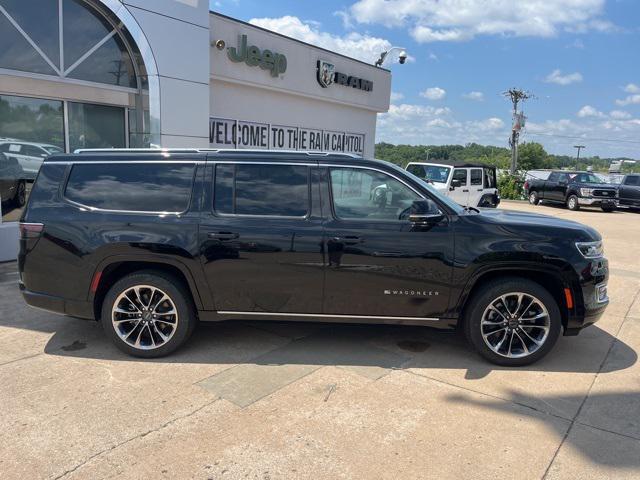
x=213, y=150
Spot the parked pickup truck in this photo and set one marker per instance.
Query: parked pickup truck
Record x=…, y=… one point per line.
x=574, y=189
x=629, y=191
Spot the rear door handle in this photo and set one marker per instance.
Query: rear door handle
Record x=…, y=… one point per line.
x=223, y=235
x=347, y=240
x=479, y=190
x=466, y=190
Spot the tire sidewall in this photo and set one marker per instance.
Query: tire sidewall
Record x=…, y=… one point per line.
x=533, y=198
x=576, y=204
x=490, y=292
x=172, y=287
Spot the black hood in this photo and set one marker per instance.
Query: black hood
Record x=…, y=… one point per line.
x=535, y=222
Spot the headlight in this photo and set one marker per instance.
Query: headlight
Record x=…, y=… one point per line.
x=586, y=192
x=591, y=249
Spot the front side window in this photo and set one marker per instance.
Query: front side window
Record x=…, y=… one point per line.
x=160, y=188
x=417, y=170
x=461, y=175
x=362, y=194
x=269, y=190
x=634, y=180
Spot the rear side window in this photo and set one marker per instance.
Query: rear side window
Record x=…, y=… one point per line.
x=476, y=176
x=140, y=187
x=272, y=190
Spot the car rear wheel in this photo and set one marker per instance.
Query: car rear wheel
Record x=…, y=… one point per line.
x=148, y=314
x=533, y=198
x=513, y=322
x=572, y=203
x=21, y=194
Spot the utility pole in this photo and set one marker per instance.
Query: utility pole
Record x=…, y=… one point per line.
x=516, y=96
x=579, y=147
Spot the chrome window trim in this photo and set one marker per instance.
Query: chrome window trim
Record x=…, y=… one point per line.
x=110, y=162
x=325, y=315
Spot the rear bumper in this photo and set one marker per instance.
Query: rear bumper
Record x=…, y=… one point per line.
x=57, y=305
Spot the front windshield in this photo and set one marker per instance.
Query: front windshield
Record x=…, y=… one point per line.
x=436, y=173
x=434, y=192
x=584, y=178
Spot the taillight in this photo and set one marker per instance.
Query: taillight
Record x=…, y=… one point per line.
x=31, y=230
x=526, y=185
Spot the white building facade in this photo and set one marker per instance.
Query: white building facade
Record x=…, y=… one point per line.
x=138, y=73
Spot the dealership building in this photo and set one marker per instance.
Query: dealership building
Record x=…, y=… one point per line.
x=170, y=73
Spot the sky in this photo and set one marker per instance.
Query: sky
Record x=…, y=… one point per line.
x=580, y=58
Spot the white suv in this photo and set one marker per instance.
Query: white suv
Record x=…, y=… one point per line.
x=473, y=185
x=29, y=155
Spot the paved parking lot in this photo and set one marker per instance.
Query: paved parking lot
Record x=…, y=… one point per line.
x=275, y=400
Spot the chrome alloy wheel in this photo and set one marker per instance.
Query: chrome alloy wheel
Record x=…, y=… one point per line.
x=144, y=317
x=515, y=325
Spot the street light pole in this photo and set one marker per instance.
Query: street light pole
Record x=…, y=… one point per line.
x=579, y=147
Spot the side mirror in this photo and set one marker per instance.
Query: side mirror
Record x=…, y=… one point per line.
x=455, y=183
x=425, y=212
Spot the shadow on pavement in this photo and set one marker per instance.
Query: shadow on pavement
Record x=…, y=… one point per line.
x=607, y=430
x=385, y=346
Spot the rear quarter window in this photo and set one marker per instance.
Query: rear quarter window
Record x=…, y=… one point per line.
x=138, y=187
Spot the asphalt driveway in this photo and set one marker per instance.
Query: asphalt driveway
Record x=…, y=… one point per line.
x=284, y=400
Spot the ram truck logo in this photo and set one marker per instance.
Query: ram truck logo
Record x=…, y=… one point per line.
x=326, y=73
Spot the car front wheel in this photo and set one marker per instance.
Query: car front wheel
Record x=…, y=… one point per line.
x=148, y=314
x=513, y=322
x=572, y=203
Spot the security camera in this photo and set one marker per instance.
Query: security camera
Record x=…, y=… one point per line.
x=402, y=57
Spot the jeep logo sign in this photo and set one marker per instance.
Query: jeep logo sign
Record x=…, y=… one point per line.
x=327, y=75
x=276, y=63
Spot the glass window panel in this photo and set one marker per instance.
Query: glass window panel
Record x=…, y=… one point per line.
x=460, y=174
x=39, y=19
x=223, y=191
x=476, y=176
x=134, y=187
x=83, y=28
x=17, y=54
x=369, y=195
x=110, y=64
x=95, y=126
x=27, y=126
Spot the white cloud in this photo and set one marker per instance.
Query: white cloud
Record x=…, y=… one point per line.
x=345, y=17
x=629, y=100
x=434, y=93
x=363, y=47
x=632, y=88
x=558, y=78
x=456, y=20
x=396, y=96
x=589, y=111
x=433, y=56
x=619, y=114
x=477, y=96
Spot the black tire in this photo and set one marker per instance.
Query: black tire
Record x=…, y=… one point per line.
x=178, y=295
x=533, y=198
x=488, y=293
x=573, y=203
x=20, y=198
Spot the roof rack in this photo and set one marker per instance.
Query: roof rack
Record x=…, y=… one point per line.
x=214, y=150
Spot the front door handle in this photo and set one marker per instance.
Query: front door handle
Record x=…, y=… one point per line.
x=347, y=240
x=223, y=235
x=480, y=189
x=465, y=190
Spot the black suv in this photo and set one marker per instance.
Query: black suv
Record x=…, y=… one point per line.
x=150, y=243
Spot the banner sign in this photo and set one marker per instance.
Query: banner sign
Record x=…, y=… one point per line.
x=226, y=133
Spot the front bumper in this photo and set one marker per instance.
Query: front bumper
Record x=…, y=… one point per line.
x=593, y=289
x=596, y=202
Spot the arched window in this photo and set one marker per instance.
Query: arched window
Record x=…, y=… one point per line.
x=64, y=38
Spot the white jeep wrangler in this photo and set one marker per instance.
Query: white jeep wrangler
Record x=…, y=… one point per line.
x=473, y=185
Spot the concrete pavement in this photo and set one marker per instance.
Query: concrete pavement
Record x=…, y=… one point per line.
x=282, y=400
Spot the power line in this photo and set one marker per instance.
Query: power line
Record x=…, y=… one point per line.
x=591, y=139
